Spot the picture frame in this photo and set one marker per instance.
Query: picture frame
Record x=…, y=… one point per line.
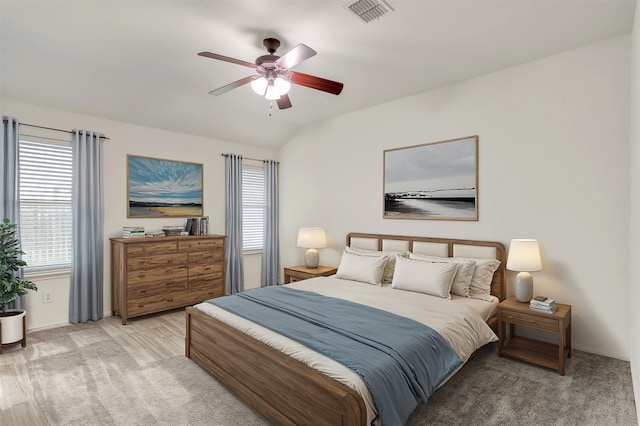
x=163, y=188
x=435, y=181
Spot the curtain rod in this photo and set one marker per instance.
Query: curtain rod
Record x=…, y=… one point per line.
x=50, y=128
x=247, y=158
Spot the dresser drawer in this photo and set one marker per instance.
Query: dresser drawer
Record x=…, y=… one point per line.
x=151, y=304
x=212, y=293
x=200, y=245
x=158, y=274
x=520, y=318
x=147, y=249
x=208, y=269
x=152, y=288
x=149, y=262
x=213, y=256
x=206, y=281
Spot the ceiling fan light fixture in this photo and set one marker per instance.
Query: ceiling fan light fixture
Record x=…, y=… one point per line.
x=272, y=93
x=282, y=86
x=259, y=85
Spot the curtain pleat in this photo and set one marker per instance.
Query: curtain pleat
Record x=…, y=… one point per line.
x=86, y=293
x=10, y=185
x=233, y=224
x=271, y=249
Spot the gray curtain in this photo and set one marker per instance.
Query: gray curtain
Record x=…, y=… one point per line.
x=271, y=248
x=9, y=186
x=86, y=294
x=233, y=224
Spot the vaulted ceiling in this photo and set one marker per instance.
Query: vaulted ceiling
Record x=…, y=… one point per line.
x=136, y=61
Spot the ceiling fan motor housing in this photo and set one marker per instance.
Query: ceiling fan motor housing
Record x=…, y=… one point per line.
x=271, y=44
x=267, y=67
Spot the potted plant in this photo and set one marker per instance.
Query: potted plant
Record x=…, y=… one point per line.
x=11, y=286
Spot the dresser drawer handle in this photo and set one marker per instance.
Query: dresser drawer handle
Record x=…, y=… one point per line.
x=169, y=299
x=140, y=305
x=521, y=319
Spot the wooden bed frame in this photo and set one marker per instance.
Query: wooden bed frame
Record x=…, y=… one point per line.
x=284, y=390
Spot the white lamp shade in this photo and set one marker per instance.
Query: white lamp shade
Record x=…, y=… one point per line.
x=272, y=93
x=259, y=85
x=524, y=256
x=312, y=238
x=282, y=86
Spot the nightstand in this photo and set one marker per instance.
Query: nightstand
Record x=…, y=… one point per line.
x=512, y=312
x=299, y=273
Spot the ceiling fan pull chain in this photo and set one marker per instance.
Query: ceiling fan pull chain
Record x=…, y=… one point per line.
x=270, y=108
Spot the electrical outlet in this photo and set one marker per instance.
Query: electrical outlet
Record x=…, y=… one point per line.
x=47, y=297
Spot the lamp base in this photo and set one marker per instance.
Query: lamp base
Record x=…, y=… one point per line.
x=312, y=258
x=524, y=287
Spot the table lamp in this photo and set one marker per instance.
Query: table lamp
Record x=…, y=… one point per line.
x=312, y=239
x=524, y=257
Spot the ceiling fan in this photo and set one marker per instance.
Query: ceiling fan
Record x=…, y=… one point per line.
x=273, y=79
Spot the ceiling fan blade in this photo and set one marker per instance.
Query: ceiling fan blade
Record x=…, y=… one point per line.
x=294, y=56
x=284, y=102
x=227, y=59
x=314, y=82
x=230, y=86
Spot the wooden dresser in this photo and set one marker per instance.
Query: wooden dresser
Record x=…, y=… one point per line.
x=160, y=273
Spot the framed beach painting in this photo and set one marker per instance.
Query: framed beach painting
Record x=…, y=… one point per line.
x=436, y=180
x=163, y=188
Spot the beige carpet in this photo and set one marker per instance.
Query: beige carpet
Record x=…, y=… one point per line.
x=102, y=373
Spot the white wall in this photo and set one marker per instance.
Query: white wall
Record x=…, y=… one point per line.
x=553, y=165
x=635, y=207
x=554, y=142
x=131, y=139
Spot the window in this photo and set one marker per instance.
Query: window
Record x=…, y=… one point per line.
x=253, y=206
x=45, y=203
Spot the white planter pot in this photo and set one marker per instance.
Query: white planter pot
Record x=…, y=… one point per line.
x=12, y=326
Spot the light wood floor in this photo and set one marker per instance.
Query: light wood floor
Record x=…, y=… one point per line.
x=147, y=339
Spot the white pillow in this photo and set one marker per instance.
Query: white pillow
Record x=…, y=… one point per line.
x=480, y=287
x=464, y=273
x=422, y=276
x=391, y=263
x=366, y=269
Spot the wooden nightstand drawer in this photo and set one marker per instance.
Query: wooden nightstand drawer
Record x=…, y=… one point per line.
x=520, y=318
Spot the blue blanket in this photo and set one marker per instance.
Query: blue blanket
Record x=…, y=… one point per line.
x=401, y=361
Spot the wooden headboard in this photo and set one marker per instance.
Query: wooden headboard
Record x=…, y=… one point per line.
x=443, y=247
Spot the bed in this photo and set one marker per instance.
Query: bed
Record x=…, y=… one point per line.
x=290, y=386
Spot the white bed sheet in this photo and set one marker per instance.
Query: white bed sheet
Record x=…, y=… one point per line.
x=457, y=321
x=486, y=309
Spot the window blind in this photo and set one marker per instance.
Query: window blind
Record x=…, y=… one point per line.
x=45, y=203
x=253, y=205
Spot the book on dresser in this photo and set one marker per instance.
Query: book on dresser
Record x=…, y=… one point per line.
x=133, y=231
x=543, y=304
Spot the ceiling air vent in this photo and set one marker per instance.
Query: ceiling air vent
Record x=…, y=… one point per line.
x=368, y=10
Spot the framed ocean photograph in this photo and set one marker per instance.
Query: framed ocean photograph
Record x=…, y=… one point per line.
x=163, y=188
x=436, y=180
